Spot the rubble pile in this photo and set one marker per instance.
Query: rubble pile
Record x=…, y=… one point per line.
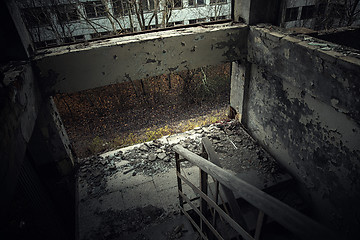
x=94, y=170
x=236, y=149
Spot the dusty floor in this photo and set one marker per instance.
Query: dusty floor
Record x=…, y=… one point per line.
x=131, y=193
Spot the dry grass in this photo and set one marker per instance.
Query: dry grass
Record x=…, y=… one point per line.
x=155, y=132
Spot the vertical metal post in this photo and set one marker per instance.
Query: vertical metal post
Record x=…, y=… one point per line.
x=179, y=180
x=216, y=201
x=259, y=225
x=203, y=203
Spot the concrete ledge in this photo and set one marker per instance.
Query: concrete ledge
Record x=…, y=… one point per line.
x=79, y=67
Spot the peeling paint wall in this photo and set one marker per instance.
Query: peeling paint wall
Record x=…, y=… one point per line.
x=100, y=63
x=302, y=103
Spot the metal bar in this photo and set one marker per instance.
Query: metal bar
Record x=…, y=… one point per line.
x=259, y=224
x=236, y=212
x=288, y=217
x=193, y=223
x=181, y=201
x=216, y=233
x=232, y=223
x=216, y=201
x=203, y=203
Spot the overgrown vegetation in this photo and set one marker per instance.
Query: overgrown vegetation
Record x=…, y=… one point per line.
x=138, y=111
x=156, y=132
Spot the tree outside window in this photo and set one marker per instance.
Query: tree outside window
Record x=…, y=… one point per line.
x=174, y=3
x=94, y=9
x=37, y=16
x=66, y=13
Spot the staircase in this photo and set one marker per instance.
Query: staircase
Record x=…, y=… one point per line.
x=245, y=205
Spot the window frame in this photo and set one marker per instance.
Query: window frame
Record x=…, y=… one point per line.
x=67, y=12
x=34, y=19
x=95, y=5
x=218, y=2
x=289, y=16
x=308, y=12
x=196, y=4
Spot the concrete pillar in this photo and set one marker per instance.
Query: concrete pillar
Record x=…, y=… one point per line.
x=250, y=12
x=50, y=145
x=256, y=11
x=240, y=73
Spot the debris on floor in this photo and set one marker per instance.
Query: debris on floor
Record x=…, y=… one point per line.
x=130, y=189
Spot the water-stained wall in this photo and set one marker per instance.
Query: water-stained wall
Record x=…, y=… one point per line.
x=100, y=63
x=301, y=100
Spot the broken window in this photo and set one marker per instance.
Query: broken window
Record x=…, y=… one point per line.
x=36, y=17
x=196, y=2
x=291, y=14
x=99, y=34
x=217, y=1
x=121, y=7
x=217, y=18
x=47, y=43
x=94, y=9
x=172, y=24
x=78, y=38
x=66, y=13
x=307, y=12
x=174, y=3
x=147, y=5
x=192, y=21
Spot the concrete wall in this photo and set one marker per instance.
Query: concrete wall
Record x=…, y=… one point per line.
x=19, y=106
x=32, y=136
x=303, y=104
x=80, y=67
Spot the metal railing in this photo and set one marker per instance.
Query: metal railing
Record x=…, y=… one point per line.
x=297, y=223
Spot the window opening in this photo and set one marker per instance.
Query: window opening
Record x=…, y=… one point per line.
x=94, y=9
x=308, y=12
x=291, y=14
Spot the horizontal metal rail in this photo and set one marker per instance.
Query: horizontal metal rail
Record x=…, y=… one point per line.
x=291, y=219
x=201, y=215
x=231, y=221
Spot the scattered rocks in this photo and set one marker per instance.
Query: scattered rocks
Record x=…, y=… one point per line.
x=152, y=157
x=157, y=157
x=144, y=147
x=161, y=156
x=236, y=149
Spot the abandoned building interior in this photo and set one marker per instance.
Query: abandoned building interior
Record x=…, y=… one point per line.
x=296, y=96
